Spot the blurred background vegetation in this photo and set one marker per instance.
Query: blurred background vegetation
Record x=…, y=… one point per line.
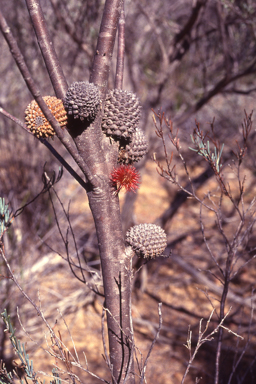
x=192, y=60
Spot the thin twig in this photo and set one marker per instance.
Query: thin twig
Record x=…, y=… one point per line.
x=206, y=242
x=65, y=241
x=49, y=146
x=12, y=276
x=110, y=367
x=70, y=335
x=203, y=339
x=153, y=343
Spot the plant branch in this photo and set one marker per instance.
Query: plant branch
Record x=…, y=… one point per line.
x=49, y=146
x=152, y=344
x=45, y=43
x=105, y=45
x=120, y=49
x=217, y=88
x=62, y=134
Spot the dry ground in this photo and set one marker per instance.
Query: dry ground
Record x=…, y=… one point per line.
x=182, y=282
x=186, y=299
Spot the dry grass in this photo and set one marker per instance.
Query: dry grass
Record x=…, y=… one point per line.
x=186, y=297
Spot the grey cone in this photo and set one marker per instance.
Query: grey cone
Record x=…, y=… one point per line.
x=147, y=240
x=82, y=100
x=121, y=114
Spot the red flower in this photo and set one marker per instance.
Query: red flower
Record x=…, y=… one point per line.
x=125, y=176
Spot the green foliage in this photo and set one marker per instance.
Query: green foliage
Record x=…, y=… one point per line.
x=203, y=149
x=20, y=350
x=26, y=364
x=5, y=377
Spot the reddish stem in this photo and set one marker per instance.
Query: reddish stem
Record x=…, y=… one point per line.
x=45, y=43
x=120, y=50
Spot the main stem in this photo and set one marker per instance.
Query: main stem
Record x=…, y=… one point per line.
x=100, y=155
x=104, y=205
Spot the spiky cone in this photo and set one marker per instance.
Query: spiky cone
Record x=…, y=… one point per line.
x=36, y=121
x=82, y=100
x=121, y=114
x=147, y=240
x=125, y=176
x=135, y=150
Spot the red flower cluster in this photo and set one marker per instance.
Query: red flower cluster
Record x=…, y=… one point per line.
x=125, y=176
